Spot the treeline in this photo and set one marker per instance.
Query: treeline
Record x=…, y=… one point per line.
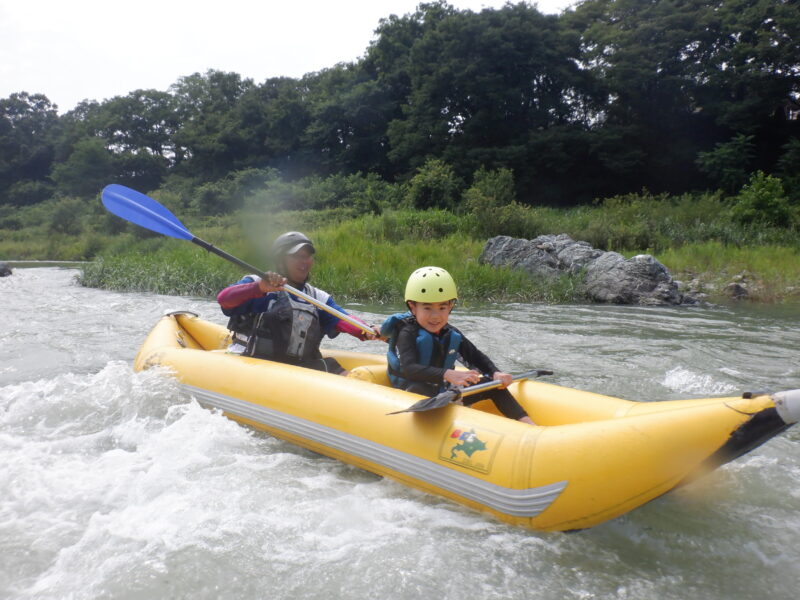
x=610, y=98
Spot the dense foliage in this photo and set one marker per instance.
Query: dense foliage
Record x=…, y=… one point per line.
x=668, y=126
x=608, y=98
x=365, y=256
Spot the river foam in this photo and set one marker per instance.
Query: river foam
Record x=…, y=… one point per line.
x=115, y=484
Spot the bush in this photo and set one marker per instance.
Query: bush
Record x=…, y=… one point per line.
x=762, y=201
x=24, y=193
x=174, y=269
x=229, y=194
x=67, y=216
x=624, y=222
x=434, y=186
x=491, y=201
x=10, y=222
x=357, y=193
x=490, y=189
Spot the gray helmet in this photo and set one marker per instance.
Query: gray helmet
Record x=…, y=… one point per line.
x=289, y=243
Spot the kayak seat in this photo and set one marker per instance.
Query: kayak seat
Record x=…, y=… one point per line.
x=371, y=373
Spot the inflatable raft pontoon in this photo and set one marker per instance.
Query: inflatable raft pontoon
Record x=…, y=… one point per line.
x=591, y=458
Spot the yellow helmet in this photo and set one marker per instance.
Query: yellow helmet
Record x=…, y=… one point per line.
x=431, y=284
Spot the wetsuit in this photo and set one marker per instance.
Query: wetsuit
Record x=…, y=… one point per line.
x=427, y=379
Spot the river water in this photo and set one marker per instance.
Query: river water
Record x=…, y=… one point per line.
x=114, y=485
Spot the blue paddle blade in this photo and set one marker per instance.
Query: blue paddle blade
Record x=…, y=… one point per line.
x=143, y=211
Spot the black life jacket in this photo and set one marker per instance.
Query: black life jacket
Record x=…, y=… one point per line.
x=288, y=331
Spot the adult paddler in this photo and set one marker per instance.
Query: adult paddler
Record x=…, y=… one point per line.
x=268, y=322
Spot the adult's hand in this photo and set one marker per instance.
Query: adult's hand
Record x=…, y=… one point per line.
x=272, y=283
x=375, y=334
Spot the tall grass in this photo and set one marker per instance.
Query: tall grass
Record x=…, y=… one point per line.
x=368, y=256
x=771, y=272
x=349, y=266
x=177, y=270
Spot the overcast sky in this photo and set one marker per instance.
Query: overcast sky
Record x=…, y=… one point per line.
x=97, y=49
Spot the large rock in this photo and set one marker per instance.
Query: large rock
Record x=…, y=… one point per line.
x=5, y=270
x=608, y=276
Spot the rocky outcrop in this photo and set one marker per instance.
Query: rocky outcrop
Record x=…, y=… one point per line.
x=5, y=270
x=607, y=276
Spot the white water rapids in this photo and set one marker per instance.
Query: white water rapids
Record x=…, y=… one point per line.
x=114, y=485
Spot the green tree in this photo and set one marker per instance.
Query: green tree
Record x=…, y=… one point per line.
x=640, y=56
x=746, y=59
x=728, y=166
x=137, y=132
x=483, y=85
x=268, y=122
x=208, y=134
x=789, y=169
x=28, y=128
x=87, y=170
x=682, y=75
x=349, y=116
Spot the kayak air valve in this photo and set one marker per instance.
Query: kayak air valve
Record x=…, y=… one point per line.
x=788, y=405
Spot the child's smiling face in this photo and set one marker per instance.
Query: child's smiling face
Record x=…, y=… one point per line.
x=431, y=316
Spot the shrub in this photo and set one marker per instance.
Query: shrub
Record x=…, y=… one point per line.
x=67, y=216
x=434, y=186
x=490, y=189
x=228, y=194
x=24, y=193
x=491, y=201
x=762, y=201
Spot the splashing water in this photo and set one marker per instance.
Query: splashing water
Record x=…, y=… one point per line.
x=115, y=485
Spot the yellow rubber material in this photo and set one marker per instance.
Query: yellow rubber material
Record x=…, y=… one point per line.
x=589, y=459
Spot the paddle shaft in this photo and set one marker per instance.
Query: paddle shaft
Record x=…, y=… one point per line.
x=455, y=394
x=490, y=385
x=295, y=292
x=149, y=213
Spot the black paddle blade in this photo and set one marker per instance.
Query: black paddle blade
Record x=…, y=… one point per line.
x=437, y=401
x=452, y=395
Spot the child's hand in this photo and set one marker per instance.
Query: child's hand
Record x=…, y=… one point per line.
x=273, y=282
x=503, y=378
x=461, y=378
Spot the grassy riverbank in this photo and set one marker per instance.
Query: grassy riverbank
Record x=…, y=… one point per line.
x=351, y=267
x=771, y=273
x=366, y=256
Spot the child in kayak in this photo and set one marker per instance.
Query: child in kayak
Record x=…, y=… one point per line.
x=424, y=347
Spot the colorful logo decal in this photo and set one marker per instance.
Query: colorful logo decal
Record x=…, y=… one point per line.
x=470, y=447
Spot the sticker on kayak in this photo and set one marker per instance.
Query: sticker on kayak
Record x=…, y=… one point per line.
x=470, y=447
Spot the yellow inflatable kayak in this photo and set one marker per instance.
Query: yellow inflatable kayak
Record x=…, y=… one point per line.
x=590, y=459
